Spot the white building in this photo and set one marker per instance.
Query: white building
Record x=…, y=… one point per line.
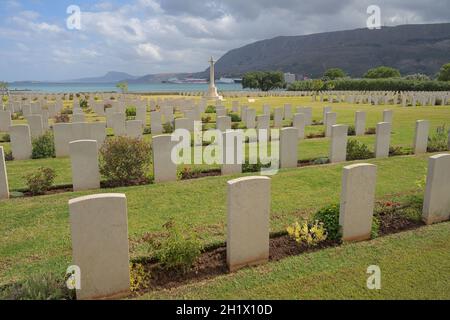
x=289, y=78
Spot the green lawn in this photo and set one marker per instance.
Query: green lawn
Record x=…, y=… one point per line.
x=34, y=234
x=414, y=265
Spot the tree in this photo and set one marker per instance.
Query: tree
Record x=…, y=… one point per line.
x=263, y=80
x=444, y=73
x=382, y=73
x=123, y=86
x=417, y=77
x=334, y=73
x=3, y=85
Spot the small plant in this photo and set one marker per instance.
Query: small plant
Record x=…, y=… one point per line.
x=131, y=113
x=235, y=117
x=167, y=128
x=179, y=250
x=351, y=130
x=125, y=161
x=399, y=151
x=210, y=109
x=17, y=115
x=41, y=181
x=43, y=146
x=358, y=151
x=139, y=279
x=66, y=111
x=9, y=156
x=6, y=138
x=206, y=119
x=84, y=104
x=310, y=234
x=329, y=216
x=438, y=142
x=42, y=286
x=62, y=118
x=320, y=161
x=147, y=130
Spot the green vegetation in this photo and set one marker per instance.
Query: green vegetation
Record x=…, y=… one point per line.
x=40, y=181
x=43, y=146
x=444, y=73
x=123, y=86
x=263, y=80
x=334, y=73
x=382, y=72
x=125, y=161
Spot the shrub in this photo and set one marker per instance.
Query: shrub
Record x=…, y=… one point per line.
x=399, y=151
x=206, y=119
x=43, y=146
x=6, y=138
x=210, y=109
x=179, y=250
x=321, y=161
x=17, y=115
x=67, y=111
x=139, y=279
x=147, y=130
x=84, y=104
x=40, y=182
x=438, y=141
x=235, y=117
x=9, y=156
x=329, y=217
x=310, y=234
x=62, y=118
x=167, y=128
x=351, y=131
x=358, y=151
x=382, y=72
x=125, y=160
x=130, y=112
x=42, y=286
x=444, y=73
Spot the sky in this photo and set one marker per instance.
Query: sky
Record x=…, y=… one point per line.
x=163, y=36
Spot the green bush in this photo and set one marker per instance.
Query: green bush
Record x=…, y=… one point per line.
x=178, y=250
x=9, y=156
x=235, y=117
x=210, y=109
x=167, y=128
x=43, y=146
x=40, y=181
x=6, y=138
x=329, y=216
x=66, y=111
x=382, y=72
x=84, y=104
x=438, y=142
x=392, y=84
x=444, y=73
x=351, y=130
x=43, y=286
x=125, y=161
x=130, y=112
x=358, y=151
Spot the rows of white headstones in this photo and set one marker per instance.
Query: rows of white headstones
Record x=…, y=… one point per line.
x=406, y=98
x=99, y=224
x=82, y=140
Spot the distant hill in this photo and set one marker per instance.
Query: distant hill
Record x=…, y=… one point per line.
x=410, y=48
x=110, y=77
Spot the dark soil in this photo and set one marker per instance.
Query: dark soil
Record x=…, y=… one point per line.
x=188, y=175
x=212, y=262
x=392, y=223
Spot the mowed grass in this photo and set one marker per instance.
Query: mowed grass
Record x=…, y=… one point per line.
x=35, y=236
x=402, y=134
x=414, y=265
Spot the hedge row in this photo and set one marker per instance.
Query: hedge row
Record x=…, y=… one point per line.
x=372, y=85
